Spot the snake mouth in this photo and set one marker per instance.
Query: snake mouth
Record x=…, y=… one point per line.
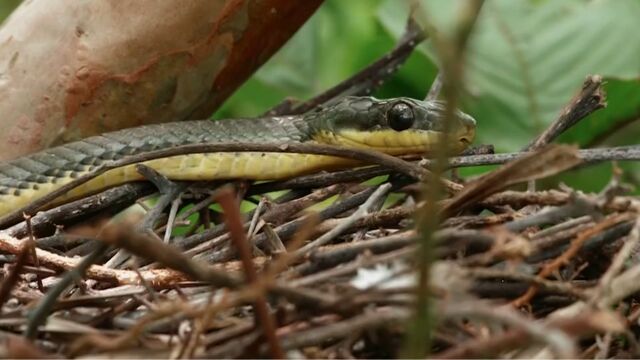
x=388, y=141
x=399, y=142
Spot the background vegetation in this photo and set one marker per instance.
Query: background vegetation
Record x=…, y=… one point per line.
x=526, y=60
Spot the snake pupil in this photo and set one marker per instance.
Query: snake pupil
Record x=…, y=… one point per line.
x=400, y=117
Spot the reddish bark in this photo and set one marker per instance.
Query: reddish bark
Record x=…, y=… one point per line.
x=71, y=69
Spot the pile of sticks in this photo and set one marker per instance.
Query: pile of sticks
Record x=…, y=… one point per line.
x=355, y=263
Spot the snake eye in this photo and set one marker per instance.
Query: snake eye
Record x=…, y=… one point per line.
x=400, y=117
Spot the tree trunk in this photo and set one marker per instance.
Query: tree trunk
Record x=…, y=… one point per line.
x=70, y=69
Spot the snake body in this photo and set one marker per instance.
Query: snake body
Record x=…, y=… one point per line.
x=361, y=122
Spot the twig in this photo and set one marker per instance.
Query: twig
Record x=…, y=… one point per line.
x=436, y=86
x=617, y=263
x=321, y=180
x=287, y=230
x=579, y=206
x=39, y=315
x=31, y=245
x=333, y=255
x=154, y=249
x=563, y=346
x=11, y=279
x=169, y=191
x=175, y=206
x=588, y=100
x=346, y=223
x=253, y=225
x=111, y=200
x=370, y=77
x=353, y=266
x=546, y=162
x=588, y=156
x=556, y=286
x=369, y=320
x=576, y=244
x=227, y=200
x=578, y=325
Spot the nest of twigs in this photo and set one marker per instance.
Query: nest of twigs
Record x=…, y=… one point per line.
x=335, y=266
x=330, y=267
x=519, y=272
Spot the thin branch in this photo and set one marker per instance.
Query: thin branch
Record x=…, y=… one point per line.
x=11, y=279
x=436, y=86
x=39, y=315
x=370, y=77
x=228, y=201
x=590, y=98
x=362, y=211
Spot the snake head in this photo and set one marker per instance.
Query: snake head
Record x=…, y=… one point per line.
x=395, y=126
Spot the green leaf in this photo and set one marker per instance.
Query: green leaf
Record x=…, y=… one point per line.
x=527, y=58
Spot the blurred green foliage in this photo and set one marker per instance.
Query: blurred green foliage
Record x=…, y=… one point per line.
x=526, y=59
x=6, y=6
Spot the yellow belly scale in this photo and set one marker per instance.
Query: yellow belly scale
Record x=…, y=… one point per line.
x=193, y=167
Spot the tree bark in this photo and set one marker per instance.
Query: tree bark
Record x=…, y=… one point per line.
x=70, y=69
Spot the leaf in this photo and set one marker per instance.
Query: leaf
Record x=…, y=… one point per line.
x=527, y=58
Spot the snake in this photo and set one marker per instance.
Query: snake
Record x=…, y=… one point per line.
x=396, y=126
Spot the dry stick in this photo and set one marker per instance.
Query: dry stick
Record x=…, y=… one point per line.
x=518, y=199
x=361, y=155
x=354, y=266
x=12, y=278
x=436, y=86
x=631, y=245
x=321, y=179
x=555, y=286
x=175, y=206
x=373, y=75
x=548, y=161
x=573, y=249
x=214, y=236
x=253, y=224
x=370, y=320
x=169, y=191
x=331, y=256
x=31, y=244
x=621, y=287
x=362, y=211
x=563, y=347
x=579, y=325
x=588, y=156
x=40, y=313
x=227, y=200
x=112, y=200
x=288, y=229
x=590, y=98
x=156, y=250
x=158, y=277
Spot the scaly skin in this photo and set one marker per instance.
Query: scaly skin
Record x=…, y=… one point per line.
x=356, y=122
